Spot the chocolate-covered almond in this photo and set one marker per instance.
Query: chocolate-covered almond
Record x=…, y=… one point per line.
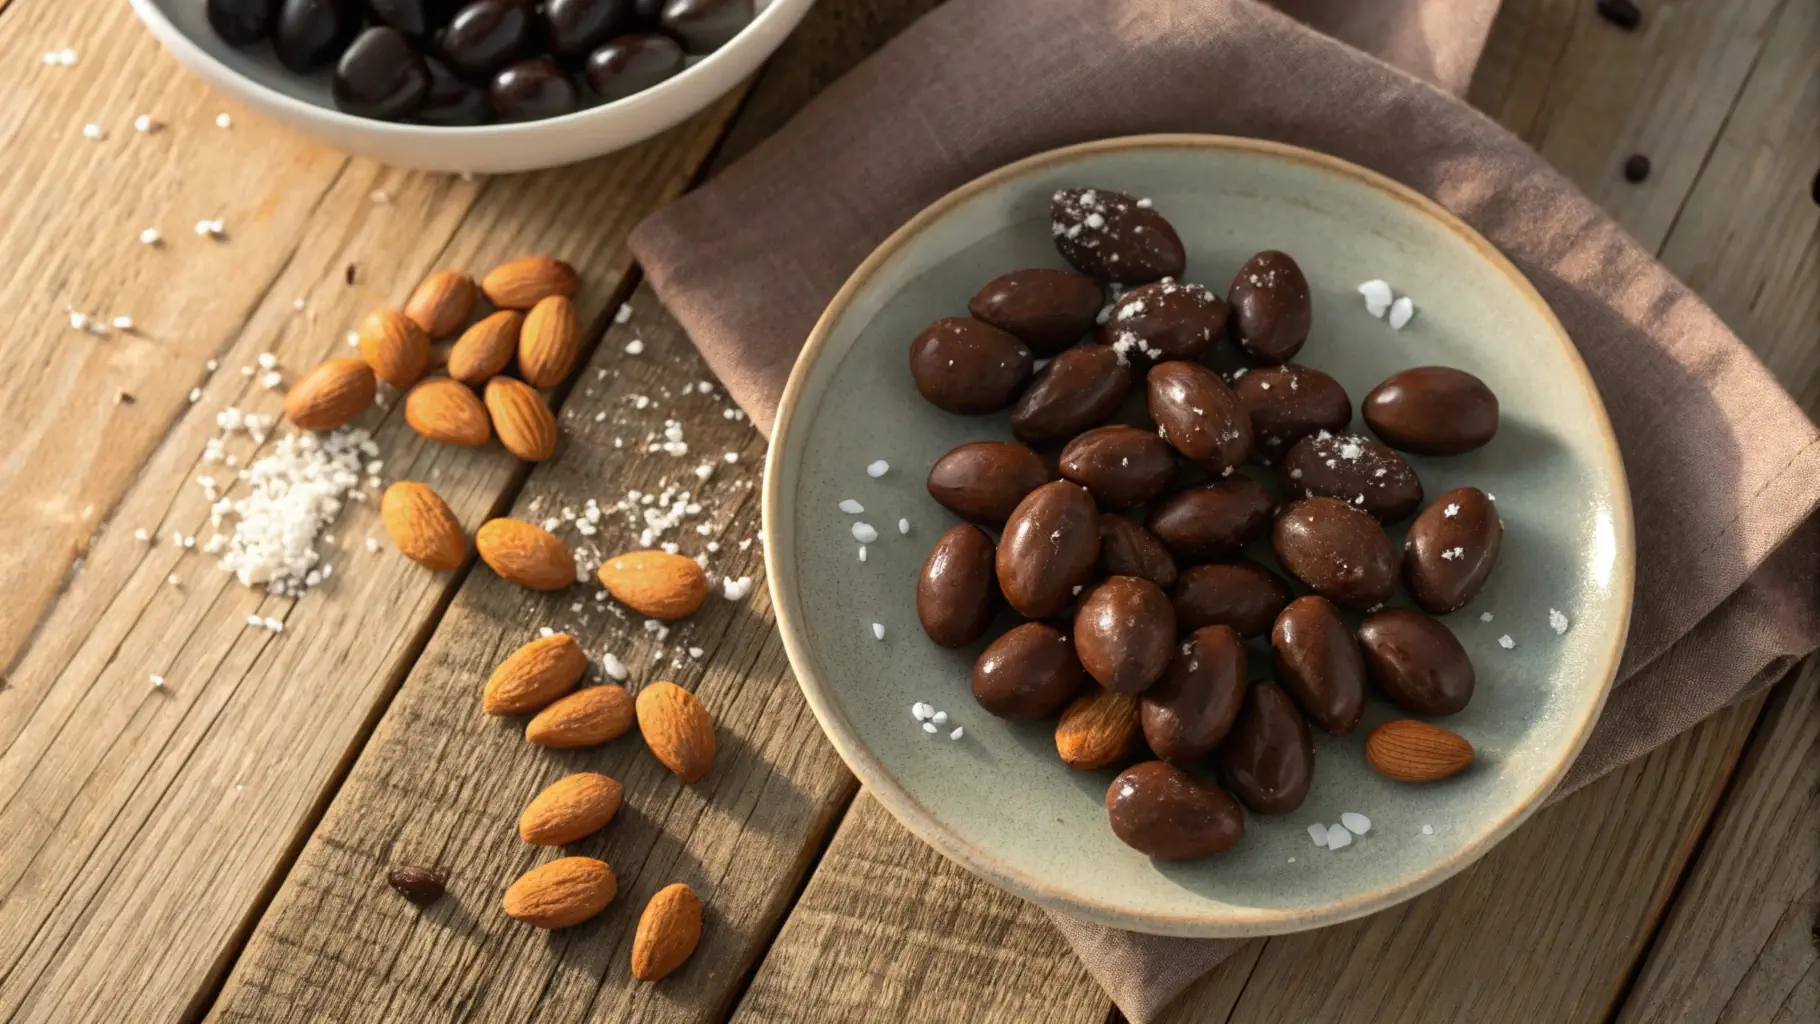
x=1049, y=546
x=1432, y=410
x=1124, y=633
x=1318, y=662
x=1287, y=403
x=1123, y=466
x=1271, y=308
x=1267, y=760
x=1162, y=811
x=984, y=480
x=1078, y=389
x=968, y=367
x=1166, y=320
x=1048, y=309
x=1450, y=550
x=1211, y=519
x=1243, y=595
x=1416, y=661
x=954, y=591
x=1192, y=708
x=1127, y=549
x=1196, y=412
x=1027, y=673
x=1114, y=236
x=1336, y=549
x=1356, y=470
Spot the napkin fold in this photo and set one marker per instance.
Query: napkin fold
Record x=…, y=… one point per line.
x=1724, y=469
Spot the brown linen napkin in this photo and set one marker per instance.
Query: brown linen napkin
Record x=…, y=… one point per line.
x=1724, y=469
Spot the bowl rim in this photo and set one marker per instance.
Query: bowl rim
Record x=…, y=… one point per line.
x=1239, y=922
x=152, y=13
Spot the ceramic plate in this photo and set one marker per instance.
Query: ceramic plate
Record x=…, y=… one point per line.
x=998, y=800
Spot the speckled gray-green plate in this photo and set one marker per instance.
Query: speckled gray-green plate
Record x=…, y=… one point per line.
x=999, y=801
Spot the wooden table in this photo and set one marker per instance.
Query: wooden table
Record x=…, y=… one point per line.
x=216, y=846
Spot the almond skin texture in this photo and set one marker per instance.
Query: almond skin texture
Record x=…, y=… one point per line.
x=570, y=809
x=1409, y=750
x=331, y=395
x=677, y=728
x=421, y=525
x=585, y=718
x=668, y=932
x=549, y=342
x=534, y=675
x=486, y=348
x=395, y=347
x=656, y=584
x=524, y=424
x=525, y=554
x=446, y=411
x=522, y=282
x=1097, y=729
x=561, y=893
x=442, y=303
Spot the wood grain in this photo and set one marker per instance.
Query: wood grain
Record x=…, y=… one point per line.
x=948, y=947
x=1740, y=943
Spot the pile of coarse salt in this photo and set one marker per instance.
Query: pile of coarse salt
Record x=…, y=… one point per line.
x=1335, y=837
x=294, y=493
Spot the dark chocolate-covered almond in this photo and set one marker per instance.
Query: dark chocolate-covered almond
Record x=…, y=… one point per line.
x=1243, y=595
x=1162, y=811
x=1192, y=708
x=1356, y=470
x=1339, y=551
x=1416, y=661
x=968, y=367
x=1450, y=550
x=1028, y=673
x=1287, y=403
x=955, y=589
x=984, y=480
x=1078, y=389
x=1114, y=236
x=1123, y=466
x=1212, y=519
x=1124, y=633
x=1049, y=310
x=1271, y=307
x=1049, y=547
x=1267, y=760
x=1432, y=410
x=1127, y=549
x=1318, y=662
x=1165, y=320
x=1196, y=412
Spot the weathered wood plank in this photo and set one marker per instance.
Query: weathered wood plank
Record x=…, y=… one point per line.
x=947, y=946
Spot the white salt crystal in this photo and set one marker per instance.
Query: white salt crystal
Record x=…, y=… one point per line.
x=939, y=718
x=903, y=527
x=862, y=552
x=1377, y=296
x=1484, y=616
x=878, y=630
x=1428, y=830
x=222, y=120
x=1338, y=837
x=878, y=469
x=1401, y=312
x=635, y=347
x=1506, y=642
x=929, y=727
x=1318, y=833
x=1357, y=824
x=864, y=533
x=735, y=589
x=957, y=733
x=851, y=507
x=613, y=667
x=623, y=314
x=1557, y=621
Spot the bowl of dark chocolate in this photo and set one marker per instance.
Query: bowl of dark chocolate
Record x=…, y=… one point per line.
x=474, y=85
x=1536, y=476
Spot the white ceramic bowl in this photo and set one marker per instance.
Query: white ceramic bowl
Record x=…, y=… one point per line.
x=255, y=77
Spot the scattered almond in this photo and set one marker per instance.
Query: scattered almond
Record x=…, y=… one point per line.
x=527, y=555
x=678, y=730
x=445, y=410
x=570, y=809
x=1097, y=729
x=534, y=675
x=655, y=583
x=585, y=718
x=394, y=346
x=331, y=395
x=524, y=424
x=486, y=348
x=442, y=303
x=561, y=893
x=522, y=282
x=668, y=932
x=1413, y=751
x=549, y=342
x=421, y=525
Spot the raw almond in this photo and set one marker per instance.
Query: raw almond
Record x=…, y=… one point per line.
x=394, y=346
x=585, y=718
x=421, y=525
x=522, y=282
x=331, y=394
x=1097, y=729
x=441, y=304
x=486, y=347
x=655, y=583
x=561, y=893
x=527, y=555
x=445, y=410
x=549, y=342
x=524, y=424
x=677, y=728
x=534, y=675
x=570, y=809
x=668, y=932
x=1412, y=751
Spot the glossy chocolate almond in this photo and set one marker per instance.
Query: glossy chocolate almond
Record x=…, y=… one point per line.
x=1114, y=236
x=1028, y=673
x=1196, y=412
x=1356, y=470
x=968, y=367
x=1432, y=410
x=1192, y=708
x=1267, y=760
x=1162, y=811
x=1049, y=547
x=1243, y=595
x=1078, y=389
x=1271, y=307
x=1124, y=633
x=1416, y=662
x=984, y=480
x=1165, y=320
x=1450, y=550
x=1318, y=662
x=1339, y=551
x=1122, y=466
x=1213, y=519
x=1287, y=403
x=1050, y=310
x=1127, y=549
x=954, y=592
